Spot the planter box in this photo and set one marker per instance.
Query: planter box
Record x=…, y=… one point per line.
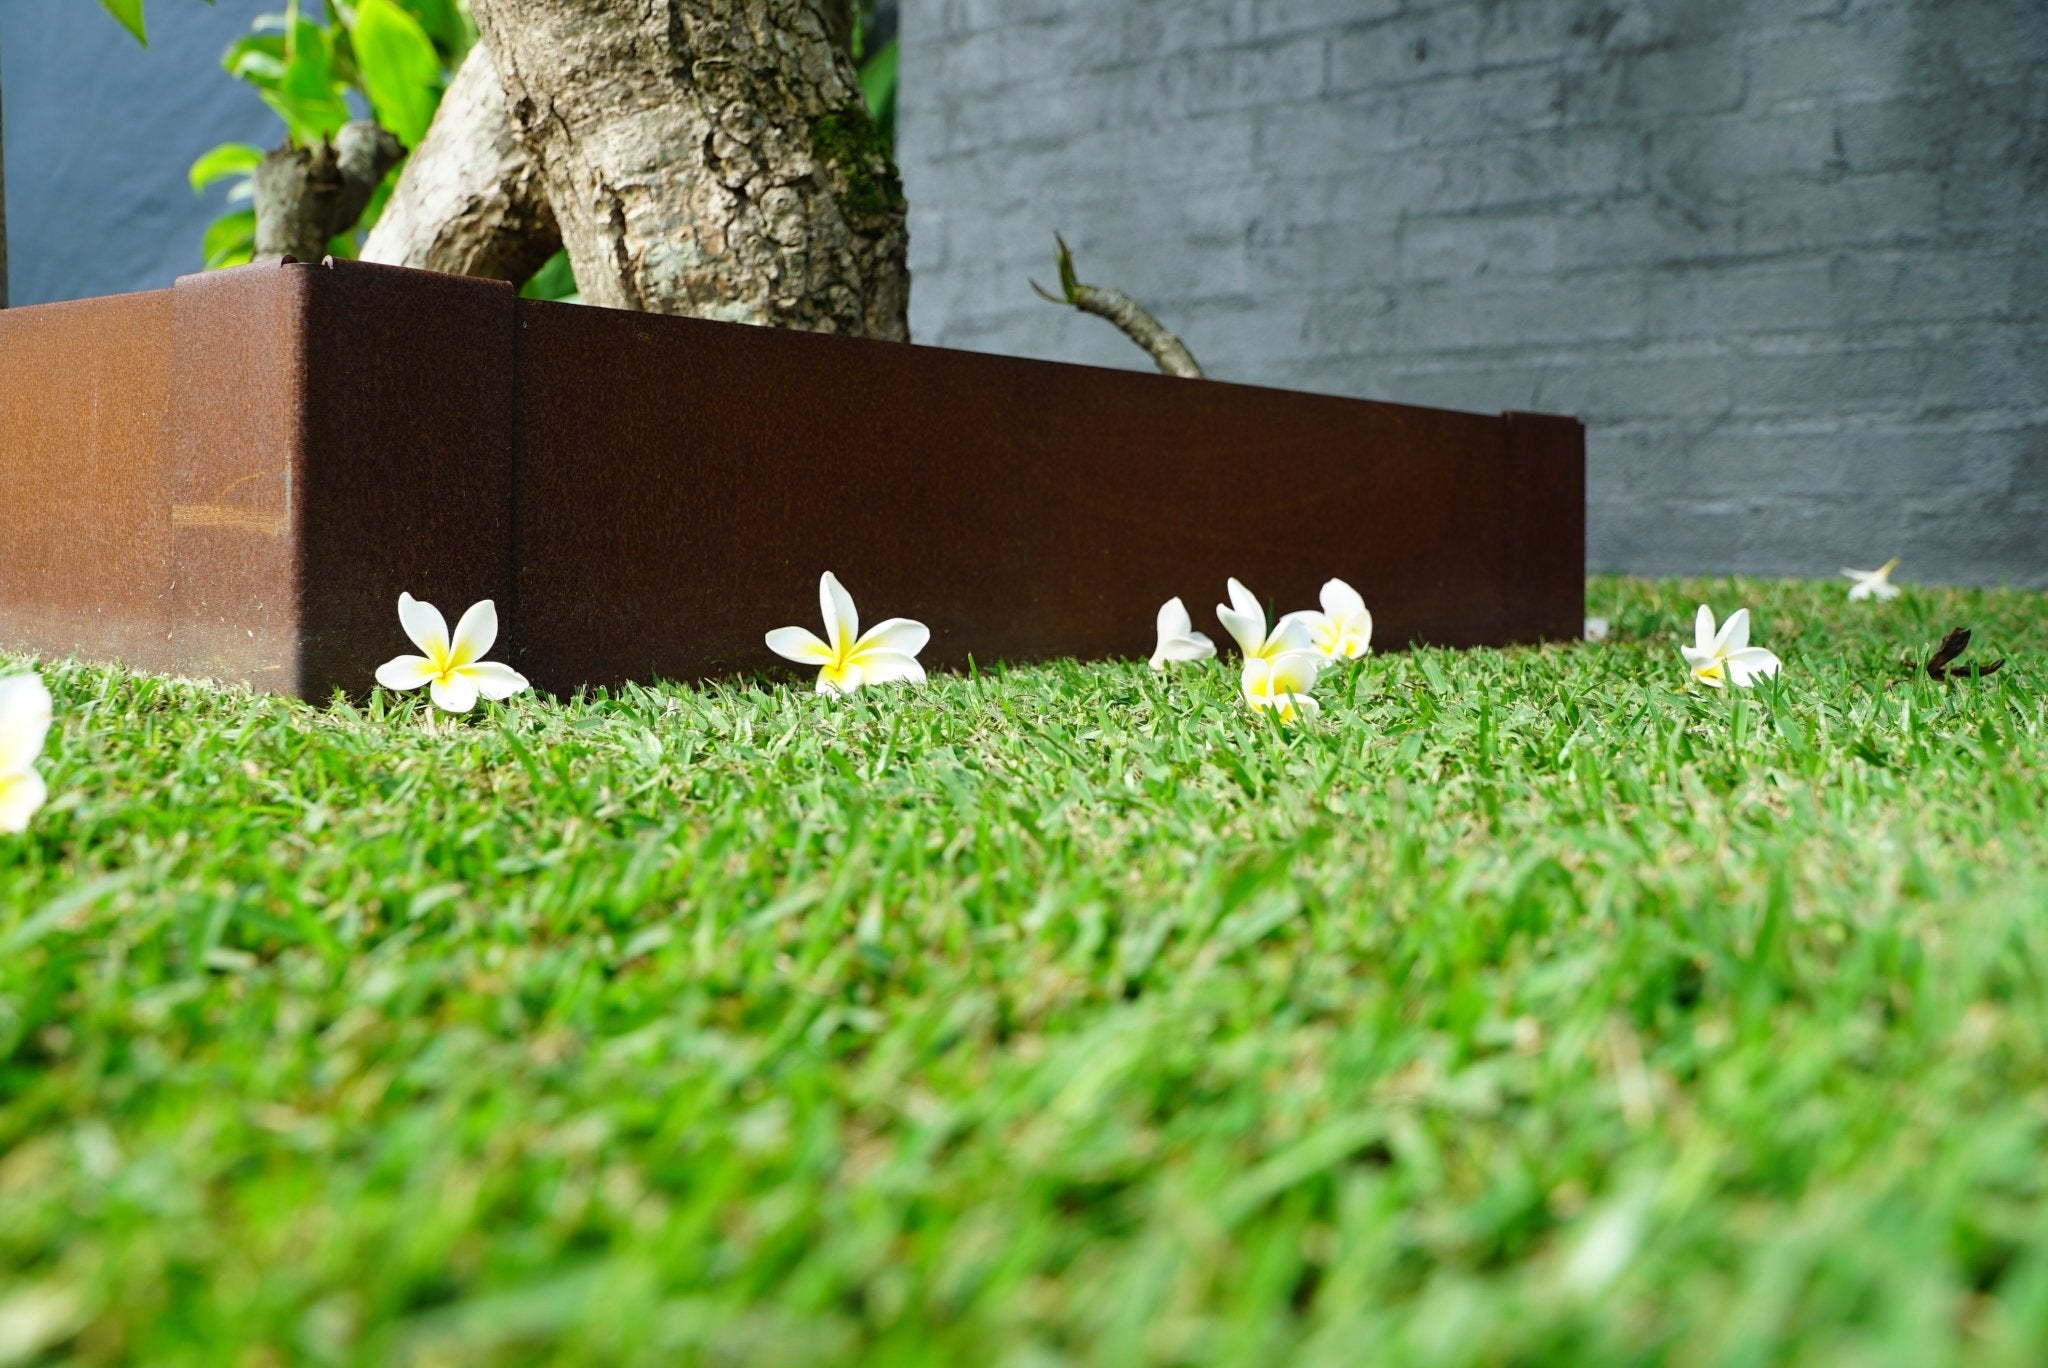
x=235, y=478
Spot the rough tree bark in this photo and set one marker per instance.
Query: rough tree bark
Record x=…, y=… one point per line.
x=306, y=195
x=470, y=201
x=709, y=157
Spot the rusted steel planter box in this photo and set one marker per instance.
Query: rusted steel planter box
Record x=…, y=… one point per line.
x=235, y=478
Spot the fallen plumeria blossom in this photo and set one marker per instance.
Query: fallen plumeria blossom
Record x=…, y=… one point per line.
x=1245, y=620
x=1282, y=684
x=1596, y=629
x=1941, y=665
x=1875, y=584
x=845, y=659
x=1178, y=639
x=1343, y=630
x=1727, y=654
x=451, y=668
x=24, y=722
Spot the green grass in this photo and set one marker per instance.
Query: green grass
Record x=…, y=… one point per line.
x=1531, y=1008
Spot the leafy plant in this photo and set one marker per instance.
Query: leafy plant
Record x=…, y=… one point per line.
x=394, y=56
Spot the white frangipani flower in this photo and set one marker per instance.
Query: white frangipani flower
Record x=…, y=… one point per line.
x=1726, y=654
x=1245, y=620
x=1596, y=629
x=846, y=659
x=24, y=722
x=1343, y=630
x=1875, y=584
x=1282, y=684
x=1178, y=639
x=452, y=668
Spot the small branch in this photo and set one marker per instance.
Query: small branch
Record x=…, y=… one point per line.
x=1168, y=352
x=305, y=196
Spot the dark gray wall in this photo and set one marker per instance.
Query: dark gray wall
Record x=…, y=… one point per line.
x=99, y=136
x=1784, y=256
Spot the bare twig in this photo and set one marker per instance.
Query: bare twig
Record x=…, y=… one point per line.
x=1168, y=352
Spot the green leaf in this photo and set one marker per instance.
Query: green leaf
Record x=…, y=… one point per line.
x=308, y=121
x=446, y=24
x=401, y=70
x=228, y=159
x=129, y=12
x=257, y=59
x=554, y=280
x=230, y=240
x=878, y=86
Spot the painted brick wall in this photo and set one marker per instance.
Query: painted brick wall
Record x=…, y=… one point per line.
x=100, y=133
x=1785, y=257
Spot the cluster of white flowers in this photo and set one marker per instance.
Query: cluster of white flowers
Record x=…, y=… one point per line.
x=1280, y=666
x=1279, y=673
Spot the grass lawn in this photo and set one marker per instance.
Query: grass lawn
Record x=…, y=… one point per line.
x=1532, y=1007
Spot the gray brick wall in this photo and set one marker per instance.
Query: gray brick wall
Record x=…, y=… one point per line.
x=1785, y=257
x=99, y=134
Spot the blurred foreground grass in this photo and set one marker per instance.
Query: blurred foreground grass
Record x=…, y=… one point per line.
x=1532, y=1007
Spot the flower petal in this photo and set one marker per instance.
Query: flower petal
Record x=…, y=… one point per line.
x=1750, y=664
x=494, y=681
x=1291, y=634
x=20, y=795
x=890, y=667
x=454, y=692
x=1296, y=671
x=1340, y=600
x=1246, y=603
x=425, y=625
x=1297, y=705
x=839, y=679
x=842, y=620
x=1256, y=680
x=1703, y=629
x=1247, y=630
x=475, y=634
x=406, y=672
x=1186, y=646
x=1695, y=658
x=897, y=636
x=1315, y=626
x=794, y=643
x=1173, y=619
x=1734, y=633
x=24, y=721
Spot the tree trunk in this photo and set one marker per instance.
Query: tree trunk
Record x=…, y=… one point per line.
x=306, y=195
x=470, y=201
x=709, y=157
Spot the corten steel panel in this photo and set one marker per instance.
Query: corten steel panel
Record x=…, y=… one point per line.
x=84, y=503
x=682, y=483
x=406, y=460
x=237, y=477
x=237, y=406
